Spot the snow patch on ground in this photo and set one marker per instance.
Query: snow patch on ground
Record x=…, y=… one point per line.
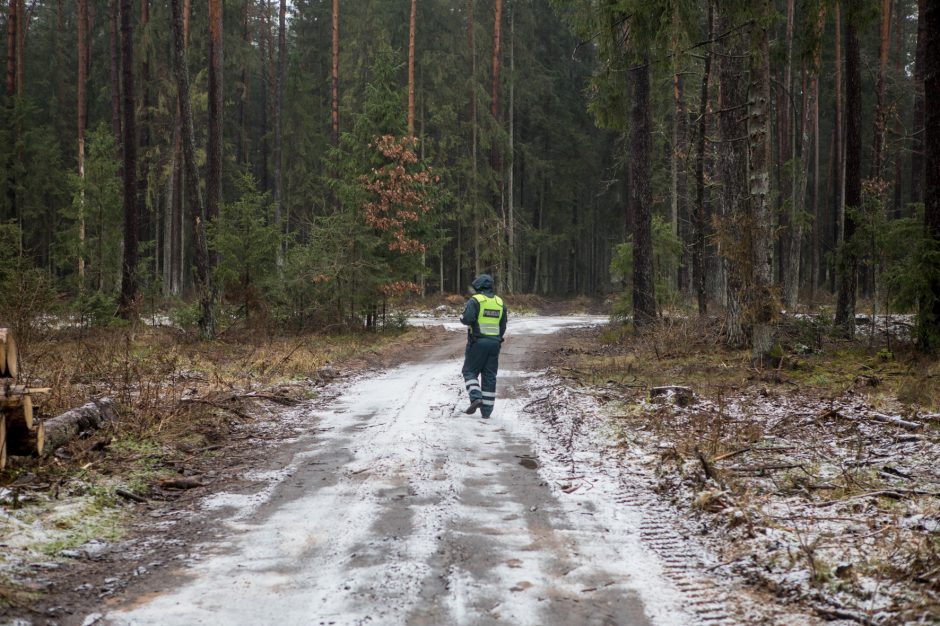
x=396, y=475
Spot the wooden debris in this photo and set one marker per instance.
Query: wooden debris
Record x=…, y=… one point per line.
x=127, y=495
x=181, y=483
x=706, y=466
x=728, y=455
x=9, y=361
x=65, y=427
x=20, y=433
x=896, y=421
x=683, y=396
x=23, y=441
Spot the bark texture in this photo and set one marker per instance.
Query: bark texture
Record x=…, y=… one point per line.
x=82, y=122
x=279, y=122
x=732, y=173
x=641, y=196
x=190, y=173
x=930, y=302
x=848, y=261
x=917, y=143
x=412, y=23
x=131, y=208
x=761, y=303
x=214, y=151
x=699, y=212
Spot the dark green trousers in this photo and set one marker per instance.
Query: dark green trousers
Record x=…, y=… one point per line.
x=481, y=358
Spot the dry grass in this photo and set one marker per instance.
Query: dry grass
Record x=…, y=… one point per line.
x=176, y=392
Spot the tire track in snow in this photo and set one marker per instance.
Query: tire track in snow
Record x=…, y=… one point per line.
x=577, y=448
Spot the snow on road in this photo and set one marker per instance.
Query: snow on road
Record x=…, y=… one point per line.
x=400, y=509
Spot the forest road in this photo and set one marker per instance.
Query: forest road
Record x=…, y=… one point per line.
x=397, y=508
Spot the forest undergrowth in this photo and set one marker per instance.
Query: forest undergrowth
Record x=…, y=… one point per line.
x=817, y=477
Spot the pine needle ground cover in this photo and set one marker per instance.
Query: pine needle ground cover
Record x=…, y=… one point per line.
x=816, y=478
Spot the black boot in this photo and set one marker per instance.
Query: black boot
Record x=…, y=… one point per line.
x=474, y=405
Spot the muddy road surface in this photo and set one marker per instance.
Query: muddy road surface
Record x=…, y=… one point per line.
x=397, y=508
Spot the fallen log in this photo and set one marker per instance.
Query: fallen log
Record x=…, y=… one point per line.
x=69, y=425
x=9, y=361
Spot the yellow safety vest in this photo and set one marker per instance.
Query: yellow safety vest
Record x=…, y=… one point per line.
x=490, y=315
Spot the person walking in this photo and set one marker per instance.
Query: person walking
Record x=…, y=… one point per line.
x=485, y=317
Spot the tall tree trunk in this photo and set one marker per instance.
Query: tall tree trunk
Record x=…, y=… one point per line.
x=471, y=47
x=214, y=149
x=683, y=230
x=412, y=24
x=177, y=229
x=144, y=123
x=761, y=304
x=644, y=295
x=881, y=106
x=917, y=143
x=20, y=47
x=203, y=284
x=11, y=49
x=838, y=149
x=732, y=173
x=786, y=146
x=131, y=217
x=817, y=217
x=898, y=130
x=266, y=80
x=278, y=124
x=244, y=99
x=12, y=43
x=334, y=111
x=798, y=214
x=674, y=171
x=848, y=261
x=81, y=107
x=497, y=51
x=115, y=69
x=511, y=224
x=699, y=211
x=334, y=98
x=929, y=319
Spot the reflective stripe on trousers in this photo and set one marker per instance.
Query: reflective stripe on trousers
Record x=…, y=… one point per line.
x=481, y=361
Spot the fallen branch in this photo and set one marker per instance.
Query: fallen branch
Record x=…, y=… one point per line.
x=831, y=612
x=127, y=495
x=180, y=483
x=283, y=400
x=896, y=421
x=762, y=468
x=894, y=494
x=728, y=455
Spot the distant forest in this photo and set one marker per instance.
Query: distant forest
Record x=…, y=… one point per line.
x=302, y=162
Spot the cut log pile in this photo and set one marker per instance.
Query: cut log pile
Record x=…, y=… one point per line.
x=20, y=432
